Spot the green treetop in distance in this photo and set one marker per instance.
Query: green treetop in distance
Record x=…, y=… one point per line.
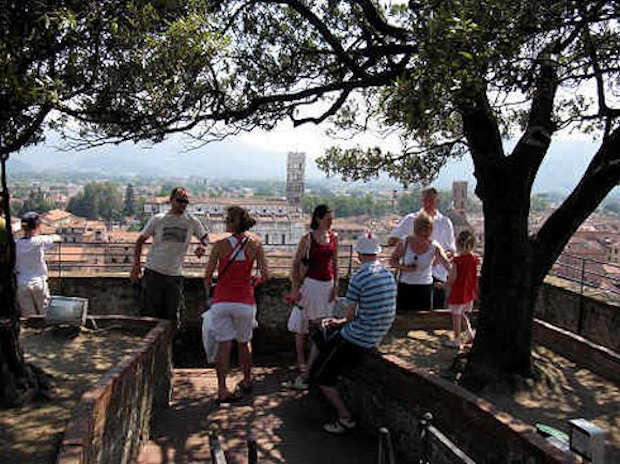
x=451, y=79
x=130, y=201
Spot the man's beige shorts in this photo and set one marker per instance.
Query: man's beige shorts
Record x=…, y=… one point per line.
x=33, y=298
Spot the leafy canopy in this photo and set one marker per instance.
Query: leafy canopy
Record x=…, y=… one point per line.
x=80, y=59
x=416, y=69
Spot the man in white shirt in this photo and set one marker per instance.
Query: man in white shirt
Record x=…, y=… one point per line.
x=443, y=233
x=162, y=283
x=33, y=293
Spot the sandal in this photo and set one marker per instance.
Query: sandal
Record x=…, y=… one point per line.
x=340, y=426
x=298, y=384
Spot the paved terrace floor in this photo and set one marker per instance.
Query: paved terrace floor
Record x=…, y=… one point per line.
x=286, y=424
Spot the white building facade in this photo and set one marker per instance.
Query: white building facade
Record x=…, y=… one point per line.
x=277, y=222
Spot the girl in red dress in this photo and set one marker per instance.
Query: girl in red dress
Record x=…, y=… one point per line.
x=463, y=281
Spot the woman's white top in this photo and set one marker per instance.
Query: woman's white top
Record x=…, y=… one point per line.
x=423, y=273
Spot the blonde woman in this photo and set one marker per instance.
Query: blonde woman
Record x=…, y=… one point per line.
x=414, y=257
x=233, y=301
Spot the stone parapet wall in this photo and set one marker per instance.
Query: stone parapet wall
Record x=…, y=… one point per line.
x=562, y=306
x=112, y=420
x=115, y=294
x=385, y=391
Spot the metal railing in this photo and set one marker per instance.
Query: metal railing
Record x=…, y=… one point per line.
x=100, y=257
x=104, y=257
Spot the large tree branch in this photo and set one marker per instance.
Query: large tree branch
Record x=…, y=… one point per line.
x=532, y=147
x=175, y=124
x=322, y=28
x=376, y=20
x=27, y=134
x=330, y=112
x=483, y=137
x=600, y=178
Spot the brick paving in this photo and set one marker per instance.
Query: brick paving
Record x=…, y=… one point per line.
x=286, y=424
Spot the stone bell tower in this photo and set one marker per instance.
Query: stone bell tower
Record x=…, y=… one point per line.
x=459, y=197
x=295, y=170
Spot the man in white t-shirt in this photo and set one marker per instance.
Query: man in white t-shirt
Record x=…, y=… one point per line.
x=443, y=233
x=162, y=283
x=33, y=293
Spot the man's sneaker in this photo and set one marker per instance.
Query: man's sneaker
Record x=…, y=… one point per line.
x=339, y=426
x=298, y=384
x=456, y=344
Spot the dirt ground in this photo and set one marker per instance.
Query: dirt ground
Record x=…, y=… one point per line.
x=566, y=391
x=76, y=360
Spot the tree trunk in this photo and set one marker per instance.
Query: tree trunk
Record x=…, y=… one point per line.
x=508, y=289
x=16, y=376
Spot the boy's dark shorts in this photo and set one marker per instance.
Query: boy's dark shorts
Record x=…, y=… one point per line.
x=336, y=356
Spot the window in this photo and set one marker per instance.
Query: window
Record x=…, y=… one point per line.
x=266, y=239
x=283, y=239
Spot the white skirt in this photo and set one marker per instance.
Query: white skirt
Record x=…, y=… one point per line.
x=314, y=304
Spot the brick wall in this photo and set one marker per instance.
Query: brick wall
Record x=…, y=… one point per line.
x=561, y=307
x=385, y=391
x=112, y=420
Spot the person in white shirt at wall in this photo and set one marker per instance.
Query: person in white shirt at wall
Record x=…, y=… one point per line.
x=33, y=293
x=162, y=282
x=443, y=234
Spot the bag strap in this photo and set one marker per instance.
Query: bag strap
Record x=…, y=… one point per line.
x=234, y=256
x=307, y=253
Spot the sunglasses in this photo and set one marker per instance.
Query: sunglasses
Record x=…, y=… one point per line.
x=182, y=200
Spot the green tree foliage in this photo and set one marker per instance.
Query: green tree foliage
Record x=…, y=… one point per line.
x=350, y=205
x=97, y=201
x=129, y=205
x=37, y=201
x=540, y=202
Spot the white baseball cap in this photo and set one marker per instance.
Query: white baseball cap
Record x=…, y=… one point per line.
x=368, y=244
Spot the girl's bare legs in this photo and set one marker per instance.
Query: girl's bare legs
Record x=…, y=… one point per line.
x=456, y=326
x=245, y=359
x=222, y=364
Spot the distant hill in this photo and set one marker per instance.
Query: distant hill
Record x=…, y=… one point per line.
x=560, y=172
x=169, y=159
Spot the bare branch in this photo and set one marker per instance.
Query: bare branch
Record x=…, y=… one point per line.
x=330, y=112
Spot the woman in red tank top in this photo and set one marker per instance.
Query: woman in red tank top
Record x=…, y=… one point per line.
x=316, y=295
x=233, y=302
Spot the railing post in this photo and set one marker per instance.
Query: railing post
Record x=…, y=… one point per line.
x=386, y=452
x=217, y=453
x=425, y=422
x=580, y=321
x=350, y=261
x=252, y=450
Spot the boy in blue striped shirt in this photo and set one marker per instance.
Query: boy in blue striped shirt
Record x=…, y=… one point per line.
x=370, y=309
